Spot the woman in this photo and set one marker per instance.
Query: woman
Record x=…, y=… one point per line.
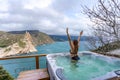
x=74, y=45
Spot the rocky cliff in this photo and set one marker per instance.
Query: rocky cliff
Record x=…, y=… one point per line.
x=21, y=43
x=8, y=38
x=24, y=45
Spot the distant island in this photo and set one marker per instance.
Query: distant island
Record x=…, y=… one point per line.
x=64, y=37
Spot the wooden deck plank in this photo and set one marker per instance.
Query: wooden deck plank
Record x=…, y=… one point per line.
x=38, y=74
x=114, y=78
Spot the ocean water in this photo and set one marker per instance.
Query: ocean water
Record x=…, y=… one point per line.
x=14, y=66
x=58, y=47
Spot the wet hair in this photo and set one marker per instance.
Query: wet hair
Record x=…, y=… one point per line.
x=75, y=42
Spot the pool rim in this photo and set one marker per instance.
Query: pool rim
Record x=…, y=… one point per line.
x=52, y=64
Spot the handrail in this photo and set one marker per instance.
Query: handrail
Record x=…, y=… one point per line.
x=28, y=56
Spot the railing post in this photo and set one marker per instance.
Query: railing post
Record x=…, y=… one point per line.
x=37, y=62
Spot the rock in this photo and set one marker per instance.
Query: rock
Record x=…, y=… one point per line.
x=25, y=45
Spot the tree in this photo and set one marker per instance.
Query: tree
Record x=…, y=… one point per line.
x=4, y=75
x=106, y=19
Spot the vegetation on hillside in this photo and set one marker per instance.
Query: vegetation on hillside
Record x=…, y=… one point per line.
x=7, y=39
x=21, y=44
x=7, y=49
x=108, y=47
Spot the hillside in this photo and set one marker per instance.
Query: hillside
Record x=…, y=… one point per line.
x=23, y=46
x=8, y=38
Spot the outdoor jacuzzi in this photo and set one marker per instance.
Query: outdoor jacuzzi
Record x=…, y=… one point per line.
x=91, y=66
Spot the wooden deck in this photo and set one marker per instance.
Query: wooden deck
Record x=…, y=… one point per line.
x=38, y=74
x=114, y=78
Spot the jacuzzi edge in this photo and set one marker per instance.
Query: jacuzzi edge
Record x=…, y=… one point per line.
x=53, y=75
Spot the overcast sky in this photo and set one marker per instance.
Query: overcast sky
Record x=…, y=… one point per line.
x=49, y=16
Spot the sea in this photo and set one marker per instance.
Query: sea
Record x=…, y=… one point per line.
x=15, y=66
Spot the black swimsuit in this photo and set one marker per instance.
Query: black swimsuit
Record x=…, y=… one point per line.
x=75, y=57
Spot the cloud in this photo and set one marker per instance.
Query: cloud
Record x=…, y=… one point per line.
x=66, y=6
x=37, y=3
x=49, y=16
x=3, y=6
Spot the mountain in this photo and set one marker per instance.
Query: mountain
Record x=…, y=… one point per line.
x=64, y=37
x=8, y=38
x=22, y=32
x=24, y=45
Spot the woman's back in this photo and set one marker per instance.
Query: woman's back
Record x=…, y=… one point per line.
x=74, y=45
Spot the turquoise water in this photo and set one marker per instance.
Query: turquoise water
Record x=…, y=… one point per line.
x=15, y=66
x=87, y=68
x=59, y=47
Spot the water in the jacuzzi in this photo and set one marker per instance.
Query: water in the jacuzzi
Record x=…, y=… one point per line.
x=88, y=67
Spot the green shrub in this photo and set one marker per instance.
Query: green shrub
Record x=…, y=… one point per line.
x=4, y=75
x=21, y=44
x=4, y=43
x=7, y=49
x=108, y=47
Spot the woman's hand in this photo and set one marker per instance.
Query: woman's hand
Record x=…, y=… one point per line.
x=81, y=33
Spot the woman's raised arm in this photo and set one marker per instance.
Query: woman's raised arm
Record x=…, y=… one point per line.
x=80, y=36
x=69, y=39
